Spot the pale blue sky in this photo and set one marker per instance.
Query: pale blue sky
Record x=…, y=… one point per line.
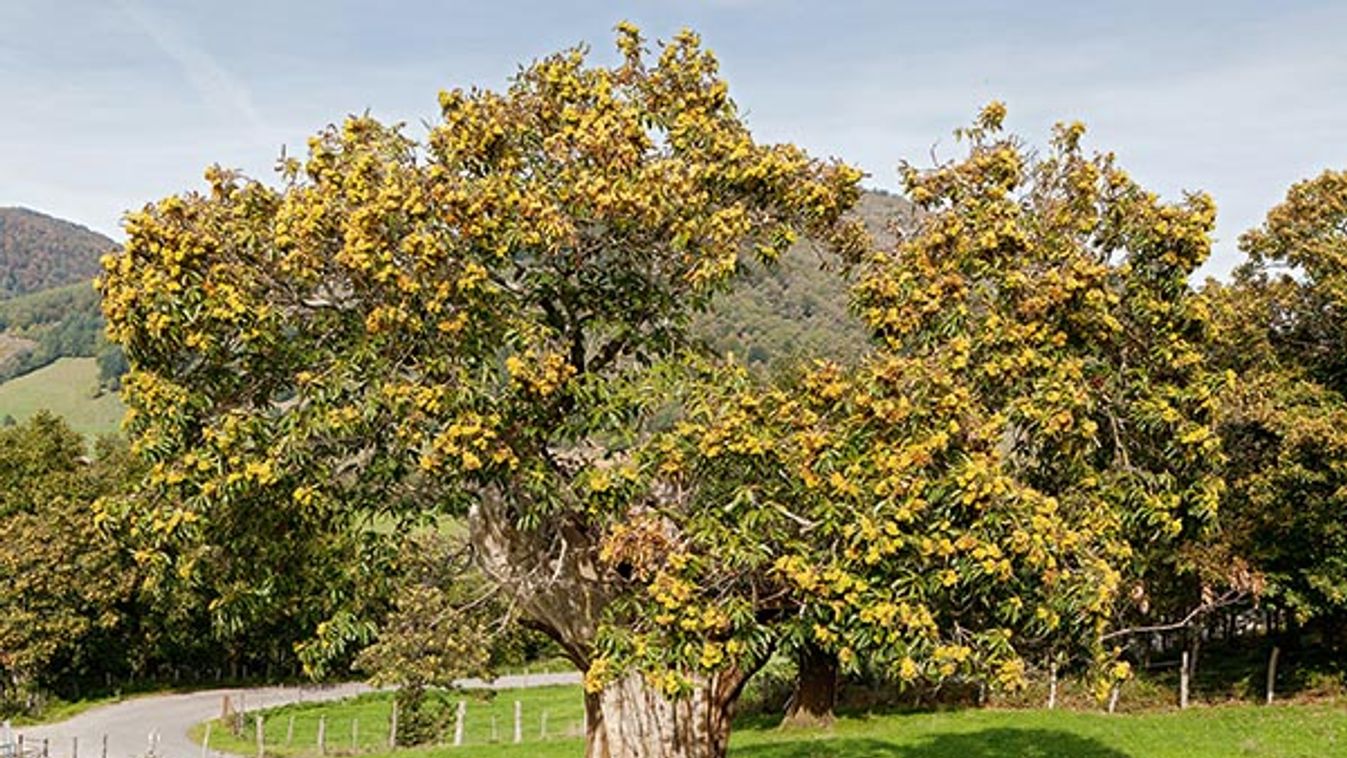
x=111, y=103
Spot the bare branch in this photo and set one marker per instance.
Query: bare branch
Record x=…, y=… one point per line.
x=1229, y=598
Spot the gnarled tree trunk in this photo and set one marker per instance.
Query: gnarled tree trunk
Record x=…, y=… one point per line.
x=815, y=695
x=558, y=583
x=635, y=720
x=555, y=579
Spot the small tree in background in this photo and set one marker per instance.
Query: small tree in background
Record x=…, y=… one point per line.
x=1282, y=327
x=447, y=623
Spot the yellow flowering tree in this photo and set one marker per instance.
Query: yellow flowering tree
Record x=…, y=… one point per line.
x=1030, y=438
x=452, y=325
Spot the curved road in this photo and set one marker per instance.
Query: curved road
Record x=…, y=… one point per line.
x=131, y=724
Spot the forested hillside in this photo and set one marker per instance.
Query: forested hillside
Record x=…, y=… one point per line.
x=798, y=307
x=48, y=308
x=58, y=323
x=38, y=252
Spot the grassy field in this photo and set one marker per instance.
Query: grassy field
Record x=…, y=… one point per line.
x=1283, y=731
x=65, y=388
x=565, y=721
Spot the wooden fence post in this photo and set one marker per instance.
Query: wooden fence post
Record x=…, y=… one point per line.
x=74, y=747
x=355, y=735
x=1184, y=662
x=105, y=741
x=518, y=722
x=393, y=725
x=322, y=735
x=205, y=743
x=1272, y=673
x=290, y=731
x=542, y=725
x=458, y=723
x=1113, y=697
x=495, y=734
x=261, y=736
x=1052, y=685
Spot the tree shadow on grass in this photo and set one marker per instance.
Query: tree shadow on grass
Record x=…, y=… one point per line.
x=986, y=743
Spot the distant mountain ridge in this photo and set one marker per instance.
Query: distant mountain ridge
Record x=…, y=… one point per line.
x=39, y=252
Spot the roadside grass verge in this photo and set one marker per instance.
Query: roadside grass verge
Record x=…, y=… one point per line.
x=60, y=710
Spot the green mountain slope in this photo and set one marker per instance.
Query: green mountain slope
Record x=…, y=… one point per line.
x=68, y=388
x=38, y=328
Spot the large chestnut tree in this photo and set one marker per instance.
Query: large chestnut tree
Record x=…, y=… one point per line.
x=452, y=325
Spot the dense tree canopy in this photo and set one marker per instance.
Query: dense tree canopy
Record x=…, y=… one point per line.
x=496, y=324
x=68, y=591
x=76, y=617
x=1034, y=423
x=1298, y=260
x=408, y=327
x=1282, y=331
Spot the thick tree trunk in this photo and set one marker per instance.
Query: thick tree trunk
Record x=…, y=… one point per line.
x=815, y=695
x=557, y=581
x=631, y=718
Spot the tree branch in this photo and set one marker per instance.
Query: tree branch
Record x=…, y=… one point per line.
x=1230, y=598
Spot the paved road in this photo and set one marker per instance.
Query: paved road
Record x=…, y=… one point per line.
x=130, y=724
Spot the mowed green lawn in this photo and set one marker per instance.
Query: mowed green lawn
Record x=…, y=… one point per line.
x=66, y=388
x=1282, y=731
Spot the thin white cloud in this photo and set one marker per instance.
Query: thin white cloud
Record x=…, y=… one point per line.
x=1242, y=117
x=216, y=86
